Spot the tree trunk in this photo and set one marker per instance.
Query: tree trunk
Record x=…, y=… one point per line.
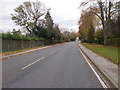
x=105, y=40
x=105, y=36
x=28, y=29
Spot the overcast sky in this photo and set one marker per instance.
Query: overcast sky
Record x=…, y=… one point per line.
x=66, y=13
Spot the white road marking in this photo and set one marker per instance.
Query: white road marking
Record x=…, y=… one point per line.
x=53, y=52
x=101, y=81
x=66, y=43
x=35, y=61
x=32, y=63
x=60, y=48
x=23, y=52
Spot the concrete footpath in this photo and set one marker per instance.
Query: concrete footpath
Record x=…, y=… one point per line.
x=23, y=52
x=109, y=69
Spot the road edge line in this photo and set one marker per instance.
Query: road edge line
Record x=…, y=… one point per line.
x=97, y=75
x=113, y=85
x=101, y=71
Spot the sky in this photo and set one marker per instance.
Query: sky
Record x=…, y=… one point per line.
x=66, y=13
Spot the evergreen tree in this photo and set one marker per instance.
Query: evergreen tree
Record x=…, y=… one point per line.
x=91, y=34
x=57, y=33
x=49, y=25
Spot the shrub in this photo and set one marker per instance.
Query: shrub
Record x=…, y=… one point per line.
x=17, y=37
x=6, y=36
x=114, y=42
x=99, y=37
x=10, y=36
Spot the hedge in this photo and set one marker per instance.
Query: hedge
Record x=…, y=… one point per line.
x=111, y=42
x=9, y=36
x=114, y=42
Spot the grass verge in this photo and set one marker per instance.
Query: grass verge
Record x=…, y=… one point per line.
x=106, y=51
x=17, y=51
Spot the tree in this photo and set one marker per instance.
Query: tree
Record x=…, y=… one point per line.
x=104, y=10
x=40, y=32
x=57, y=33
x=99, y=36
x=49, y=24
x=113, y=29
x=84, y=23
x=73, y=36
x=118, y=18
x=91, y=34
x=16, y=31
x=65, y=36
x=28, y=14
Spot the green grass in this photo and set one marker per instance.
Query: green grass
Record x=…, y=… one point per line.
x=106, y=51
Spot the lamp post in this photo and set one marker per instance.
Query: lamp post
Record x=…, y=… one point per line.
x=52, y=39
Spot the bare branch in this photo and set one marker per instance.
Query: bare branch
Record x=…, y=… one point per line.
x=28, y=14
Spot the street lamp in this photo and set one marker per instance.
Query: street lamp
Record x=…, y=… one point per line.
x=52, y=40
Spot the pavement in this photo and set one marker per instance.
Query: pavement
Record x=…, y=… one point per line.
x=109, y=69
x=20, y=53
x=24, y=52
x=61, y=66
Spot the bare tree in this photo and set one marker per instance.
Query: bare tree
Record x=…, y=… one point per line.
x=28, y=14
x=104, y=10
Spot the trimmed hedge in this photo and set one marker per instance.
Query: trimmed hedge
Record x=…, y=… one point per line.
x=111, y=42
x=9, y=36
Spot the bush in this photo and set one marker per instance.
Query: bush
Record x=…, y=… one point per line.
x=6, y=36
x=114, y=42
x=10, y=36
x=17, y=36
x=99, y=37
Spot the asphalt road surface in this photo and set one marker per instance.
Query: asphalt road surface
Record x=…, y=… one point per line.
x=61, y=66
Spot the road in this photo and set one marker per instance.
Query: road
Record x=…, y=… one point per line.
x=60, y=66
